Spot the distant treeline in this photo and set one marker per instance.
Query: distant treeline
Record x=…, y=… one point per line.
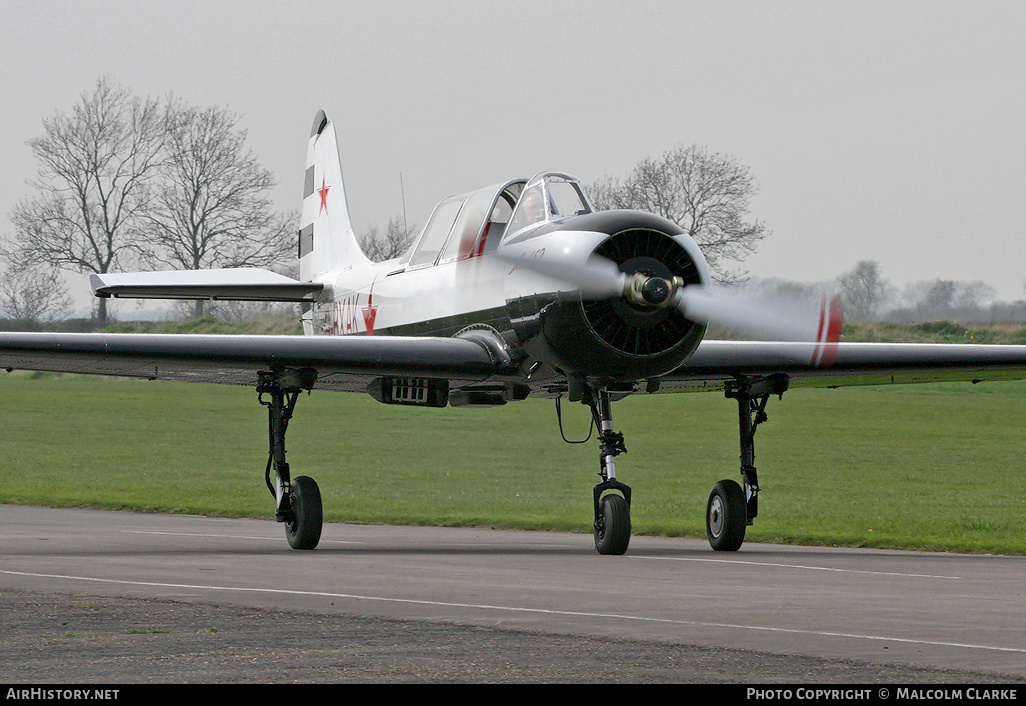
x=62, y=325
x=935, y=332
x=204, y=325
x=869, y=296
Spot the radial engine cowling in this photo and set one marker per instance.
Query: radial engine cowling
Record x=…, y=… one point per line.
x=613, y=339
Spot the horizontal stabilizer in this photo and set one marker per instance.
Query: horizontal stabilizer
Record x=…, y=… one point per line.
x=241, y=284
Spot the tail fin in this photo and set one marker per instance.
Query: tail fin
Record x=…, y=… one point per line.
x=326, y=237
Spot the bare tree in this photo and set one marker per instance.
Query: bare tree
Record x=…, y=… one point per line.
x=392, y=243
x=33, y=293
x=973, y=295
x=213, y=207
x=944, y=299
x=863, y=291
x=707, y=194
x=94, y=168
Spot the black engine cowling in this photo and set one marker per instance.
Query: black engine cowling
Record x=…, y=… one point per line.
x=616, y=340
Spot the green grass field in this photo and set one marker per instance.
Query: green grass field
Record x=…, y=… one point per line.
x=935, y=467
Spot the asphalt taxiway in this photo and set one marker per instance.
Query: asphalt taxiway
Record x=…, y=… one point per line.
x=780, y=612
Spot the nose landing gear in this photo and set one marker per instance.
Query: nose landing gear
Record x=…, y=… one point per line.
x=612, y=526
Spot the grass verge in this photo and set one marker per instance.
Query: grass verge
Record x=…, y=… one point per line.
x=934, y=467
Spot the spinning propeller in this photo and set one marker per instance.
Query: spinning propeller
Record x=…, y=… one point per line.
x=780, y=320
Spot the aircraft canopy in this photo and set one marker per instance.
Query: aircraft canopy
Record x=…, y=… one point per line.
x=471, y=224
x=549, y=196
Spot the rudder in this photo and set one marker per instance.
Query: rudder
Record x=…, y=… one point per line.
x=326, y=238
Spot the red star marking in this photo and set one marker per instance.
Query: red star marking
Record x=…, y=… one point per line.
x=370, y=311
x=323, y=191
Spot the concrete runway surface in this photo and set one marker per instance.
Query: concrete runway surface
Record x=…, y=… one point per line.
x=98, y=597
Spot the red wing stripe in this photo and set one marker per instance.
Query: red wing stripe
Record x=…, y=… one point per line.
x=818, y=350
x=831, y=318
x=833, y=332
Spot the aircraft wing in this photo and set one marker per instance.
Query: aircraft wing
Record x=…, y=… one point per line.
x=349, y=363
x=845, y=364
x=345, y=363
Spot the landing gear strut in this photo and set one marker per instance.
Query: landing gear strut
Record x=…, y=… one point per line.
x=612, y=527
x=298, y=501
x=732, y=507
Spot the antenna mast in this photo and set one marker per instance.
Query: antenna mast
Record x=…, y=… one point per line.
x=402, y=190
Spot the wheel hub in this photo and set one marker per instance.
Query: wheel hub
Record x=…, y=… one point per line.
x=716, y=516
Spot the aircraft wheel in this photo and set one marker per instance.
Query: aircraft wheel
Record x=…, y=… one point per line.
x=304, y=529
x=612, y=525
x=726, y=516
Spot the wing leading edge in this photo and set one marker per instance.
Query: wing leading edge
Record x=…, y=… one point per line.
x=342, y=362
x=845, y=364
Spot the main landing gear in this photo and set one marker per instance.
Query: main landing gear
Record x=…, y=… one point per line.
x=298, y=500
x=732, y=506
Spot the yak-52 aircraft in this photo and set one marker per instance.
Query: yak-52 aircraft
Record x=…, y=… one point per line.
x=516, y=290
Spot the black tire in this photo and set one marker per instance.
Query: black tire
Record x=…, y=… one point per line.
x=612, y=525
x=726, y=516
x=303, y=530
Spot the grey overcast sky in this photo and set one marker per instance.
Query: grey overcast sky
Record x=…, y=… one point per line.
x=876, y=130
